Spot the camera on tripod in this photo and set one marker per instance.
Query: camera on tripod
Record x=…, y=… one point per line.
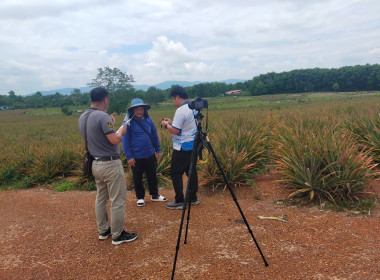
x=198, y=104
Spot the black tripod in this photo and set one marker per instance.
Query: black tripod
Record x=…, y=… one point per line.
x=201, y=139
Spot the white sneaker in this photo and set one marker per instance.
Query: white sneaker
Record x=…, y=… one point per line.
x=158, y=198
x=140, y=202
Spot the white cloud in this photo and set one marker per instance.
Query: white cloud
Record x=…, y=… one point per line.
x=375, y=51
x=48, y=44
x=166, y=52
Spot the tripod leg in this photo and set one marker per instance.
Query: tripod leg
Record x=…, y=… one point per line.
x=188, y=217
x=209, y=147
x=193, y=168
x=178, y=240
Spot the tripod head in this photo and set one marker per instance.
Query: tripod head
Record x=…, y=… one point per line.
x=198, y=116
x=197, y=105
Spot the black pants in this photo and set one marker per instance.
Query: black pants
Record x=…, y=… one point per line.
x=180, y=164
x=149, y=166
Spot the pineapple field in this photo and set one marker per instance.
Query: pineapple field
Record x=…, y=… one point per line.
x=323, y=146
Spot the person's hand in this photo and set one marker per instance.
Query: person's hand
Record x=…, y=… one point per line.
x=167, y=120
x=112, y=116
x=132, y=162
x=122, y=130
x=164, y=124
x=158, y=155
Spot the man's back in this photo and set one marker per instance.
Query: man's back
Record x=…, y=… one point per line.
x=99, y=124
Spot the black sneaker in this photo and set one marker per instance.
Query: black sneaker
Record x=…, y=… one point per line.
x=104, y=235
x=124, y=237
x=175, y=205
x=195, y=201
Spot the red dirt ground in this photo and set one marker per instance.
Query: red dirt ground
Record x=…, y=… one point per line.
x=48, y=235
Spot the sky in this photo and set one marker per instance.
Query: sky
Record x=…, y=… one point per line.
x=54, y=44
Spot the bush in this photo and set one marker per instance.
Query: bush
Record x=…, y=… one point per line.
x=66, y=111
x=366, y=130
x=8, y=174
x=242, y=150
x=49, y=164
x=322, y=163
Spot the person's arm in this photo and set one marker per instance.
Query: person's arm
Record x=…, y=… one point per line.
x=167, y=124
x=124, y=144
x=127, y=140
x=106, y=123
x=172, y=129
x=115, y=138
x=156, y=140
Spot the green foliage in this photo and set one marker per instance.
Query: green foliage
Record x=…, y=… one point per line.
x=112, y=79
x=163, y=167
x=85, y=183
x=335, y=87
x=8, y=175
x=349, y=78
x=19, y=183
x=25, y=182
x=366, y=130
x=363, y=206
x=64, y=186
x=321, y=162
x=66, y=111
x=212, y=89
x=120, y=100
x=90, y=186
x=40, y=148
x=153, y=95
x=119, y=85
x=241, y=148
x=49, y=164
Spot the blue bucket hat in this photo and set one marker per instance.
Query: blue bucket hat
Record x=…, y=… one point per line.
x=137, y=102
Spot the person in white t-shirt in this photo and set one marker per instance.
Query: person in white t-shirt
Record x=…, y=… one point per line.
x=183, y=129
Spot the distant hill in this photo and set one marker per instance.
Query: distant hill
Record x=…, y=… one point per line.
x=64, y=91
x=162, y=86
x=169, y=84
x=166, y=85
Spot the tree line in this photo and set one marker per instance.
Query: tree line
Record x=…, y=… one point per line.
x=344, y=79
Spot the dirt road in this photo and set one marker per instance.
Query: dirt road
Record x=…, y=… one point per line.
x=48, y=235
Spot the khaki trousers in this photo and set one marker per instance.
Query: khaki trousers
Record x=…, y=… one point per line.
x=110, y=184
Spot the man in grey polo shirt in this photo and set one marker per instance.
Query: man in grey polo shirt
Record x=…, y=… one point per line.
x=107, y=169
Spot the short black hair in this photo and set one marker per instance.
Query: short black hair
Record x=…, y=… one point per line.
x=98, y=94
x=180, y=91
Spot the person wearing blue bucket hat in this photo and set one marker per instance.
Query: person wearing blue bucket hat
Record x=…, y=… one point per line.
x=141, y=147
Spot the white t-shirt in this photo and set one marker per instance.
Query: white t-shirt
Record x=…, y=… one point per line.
x=185, y=122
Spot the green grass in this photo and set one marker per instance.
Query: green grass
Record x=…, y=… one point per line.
x=64, y=186
x=52, y=111
x=362, y=207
